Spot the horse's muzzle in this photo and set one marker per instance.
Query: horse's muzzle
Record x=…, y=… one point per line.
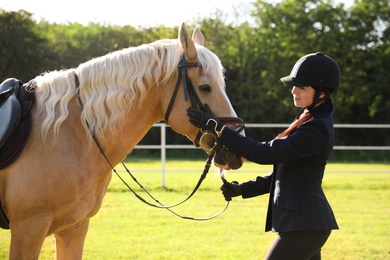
x=227, y=160
x=223, y=158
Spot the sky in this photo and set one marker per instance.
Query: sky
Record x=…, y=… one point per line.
x=129, y=12
x=122, y=12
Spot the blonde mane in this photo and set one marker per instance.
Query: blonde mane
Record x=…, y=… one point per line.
x=114, y=83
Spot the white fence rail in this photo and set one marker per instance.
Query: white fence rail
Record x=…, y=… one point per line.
x=163, y=146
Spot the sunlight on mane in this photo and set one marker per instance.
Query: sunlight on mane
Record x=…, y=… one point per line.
x=54, y=88
x=112, y=84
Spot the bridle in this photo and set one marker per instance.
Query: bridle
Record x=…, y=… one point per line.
x=234, y=123
x=189, y=94
x=188, y=88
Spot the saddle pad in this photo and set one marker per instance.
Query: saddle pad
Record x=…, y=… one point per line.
x=9, y=117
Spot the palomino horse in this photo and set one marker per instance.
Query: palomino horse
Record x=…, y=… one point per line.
x=59, y=181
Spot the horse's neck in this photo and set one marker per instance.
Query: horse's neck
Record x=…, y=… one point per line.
x=133, y=128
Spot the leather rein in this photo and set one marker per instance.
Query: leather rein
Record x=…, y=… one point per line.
x=189, y=94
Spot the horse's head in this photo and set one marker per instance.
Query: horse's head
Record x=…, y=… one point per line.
x=201, y=81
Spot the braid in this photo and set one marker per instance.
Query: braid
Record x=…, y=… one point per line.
x=304, y=118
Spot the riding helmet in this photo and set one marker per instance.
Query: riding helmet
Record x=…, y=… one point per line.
x=314, y=69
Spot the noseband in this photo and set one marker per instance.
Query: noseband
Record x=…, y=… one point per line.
x=234, y=123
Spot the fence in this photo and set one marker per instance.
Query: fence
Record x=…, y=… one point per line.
x=163, y=146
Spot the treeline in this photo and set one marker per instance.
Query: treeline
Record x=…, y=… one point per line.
x=255, y=54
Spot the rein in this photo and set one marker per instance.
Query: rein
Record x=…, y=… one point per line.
x=160, y=205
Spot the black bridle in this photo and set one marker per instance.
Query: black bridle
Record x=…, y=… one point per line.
x=188, y=88
x=189, y=94
x=234, y=123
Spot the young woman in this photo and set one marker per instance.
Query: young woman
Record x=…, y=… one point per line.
x=298, y=209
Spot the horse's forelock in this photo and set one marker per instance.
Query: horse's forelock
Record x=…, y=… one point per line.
x=211, y=65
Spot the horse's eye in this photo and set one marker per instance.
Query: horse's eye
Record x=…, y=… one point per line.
x=205, y=88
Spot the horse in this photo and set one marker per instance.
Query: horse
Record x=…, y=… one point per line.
x=88, y=118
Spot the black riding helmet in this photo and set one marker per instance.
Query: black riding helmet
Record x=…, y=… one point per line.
x=318, y=71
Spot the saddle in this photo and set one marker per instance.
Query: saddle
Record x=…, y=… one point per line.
x=16, y=100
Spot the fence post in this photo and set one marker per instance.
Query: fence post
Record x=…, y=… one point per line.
x=163, y=153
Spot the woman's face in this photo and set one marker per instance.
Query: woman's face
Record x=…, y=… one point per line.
x=303, y=96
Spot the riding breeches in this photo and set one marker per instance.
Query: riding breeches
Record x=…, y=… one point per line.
x=298, y=245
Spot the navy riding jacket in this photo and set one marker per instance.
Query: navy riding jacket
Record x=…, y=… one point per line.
x=297, y=201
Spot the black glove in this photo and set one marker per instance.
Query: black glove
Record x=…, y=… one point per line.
x=204, y=120
x=232, y=189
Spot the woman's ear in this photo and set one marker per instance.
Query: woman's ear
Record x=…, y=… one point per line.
x=322, y=95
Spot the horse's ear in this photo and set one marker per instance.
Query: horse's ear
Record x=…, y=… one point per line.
x=197, y=36
x=187, y=43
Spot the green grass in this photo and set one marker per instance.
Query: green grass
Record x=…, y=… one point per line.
x=125, y=228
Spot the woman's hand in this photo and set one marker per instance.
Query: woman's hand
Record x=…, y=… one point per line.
x=232, y=189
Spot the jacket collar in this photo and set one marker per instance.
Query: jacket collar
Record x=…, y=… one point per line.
x=323, y=109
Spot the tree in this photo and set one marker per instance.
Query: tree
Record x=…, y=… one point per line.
x=255, y=55
x=21, y=47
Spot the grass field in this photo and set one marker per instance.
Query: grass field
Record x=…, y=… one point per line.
x=125, y=228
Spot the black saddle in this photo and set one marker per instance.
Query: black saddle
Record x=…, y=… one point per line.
x=16, y=100
x=9, y=108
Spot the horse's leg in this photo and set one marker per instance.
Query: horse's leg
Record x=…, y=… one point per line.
x=27, y=238
x=70, y=242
